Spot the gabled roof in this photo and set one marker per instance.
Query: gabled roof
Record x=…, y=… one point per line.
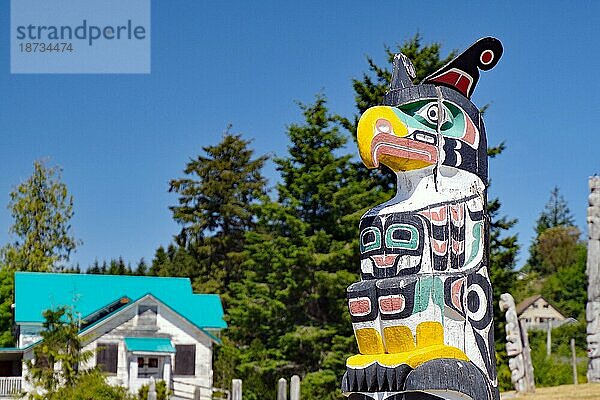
x=96, y=323
x=522, y=306
x=527, y=302
x=36, y=292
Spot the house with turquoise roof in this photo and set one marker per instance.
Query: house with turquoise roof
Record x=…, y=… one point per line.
x=139, y=328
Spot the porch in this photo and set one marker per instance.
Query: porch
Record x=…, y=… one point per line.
x=9, y=386
x=11, y=367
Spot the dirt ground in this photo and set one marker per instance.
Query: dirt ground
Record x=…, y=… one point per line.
x=586, y=391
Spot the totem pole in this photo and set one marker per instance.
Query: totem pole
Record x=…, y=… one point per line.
x=593, y=272
x=517, y=348
x=422, y=312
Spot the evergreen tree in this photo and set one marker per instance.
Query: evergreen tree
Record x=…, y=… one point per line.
x=317, y=182
x=556, y=213
x=215, y=194
x=57, y=360
x=141, y=268
x=94, y=269
x=159, y=262
x=312, y=173
x=118, y=267
x=287, y=315
x=216, y=208
x=41, y=208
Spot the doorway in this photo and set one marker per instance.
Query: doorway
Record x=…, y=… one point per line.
x=149, y=366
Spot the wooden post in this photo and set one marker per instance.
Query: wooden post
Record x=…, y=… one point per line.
x=152, y=389
x=236, y=389
x=295, y=388
x=574, y=361
x=282, y=389
x=197, y=393
x=549, y=340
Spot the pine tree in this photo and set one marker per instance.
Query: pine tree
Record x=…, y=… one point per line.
x=215, y=209
x=215, y=194
x=41, y=208
x=141, y=268
x=94, y=269
x=314, y=175
x=556, y=213
x=118, y=267
x=287, y=314
x=159, y=262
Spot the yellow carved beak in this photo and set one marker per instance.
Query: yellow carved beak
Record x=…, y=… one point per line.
x=381, y=137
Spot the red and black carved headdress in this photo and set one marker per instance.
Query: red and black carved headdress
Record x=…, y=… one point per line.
x=460, y=74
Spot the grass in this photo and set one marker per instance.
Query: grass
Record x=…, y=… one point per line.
x=586, y=391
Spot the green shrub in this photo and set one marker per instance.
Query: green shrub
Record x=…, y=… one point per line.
x=90, y=386
x=556, y=369
x=161, y=391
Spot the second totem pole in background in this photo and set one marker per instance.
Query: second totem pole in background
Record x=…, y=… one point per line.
x=593, y=272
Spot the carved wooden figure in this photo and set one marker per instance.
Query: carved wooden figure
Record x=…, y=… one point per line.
x=593, y=273
x=422, y=313
x=521, y=367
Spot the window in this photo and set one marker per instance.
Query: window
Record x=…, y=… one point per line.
x=147, y=315
x=147, y=367
x=106, y=357
x=185, y=359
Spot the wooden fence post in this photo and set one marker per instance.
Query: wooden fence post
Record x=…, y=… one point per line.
x=282, y=389
x=236, y=389
x=295, y=388
x=152, y=389
x=574, y=361
x=549, y=340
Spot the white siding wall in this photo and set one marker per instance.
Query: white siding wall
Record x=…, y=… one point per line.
x=29, y=334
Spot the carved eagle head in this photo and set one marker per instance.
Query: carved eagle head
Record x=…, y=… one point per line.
x=432, y=123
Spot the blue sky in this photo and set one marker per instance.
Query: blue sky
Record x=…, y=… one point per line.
x=120, y=138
